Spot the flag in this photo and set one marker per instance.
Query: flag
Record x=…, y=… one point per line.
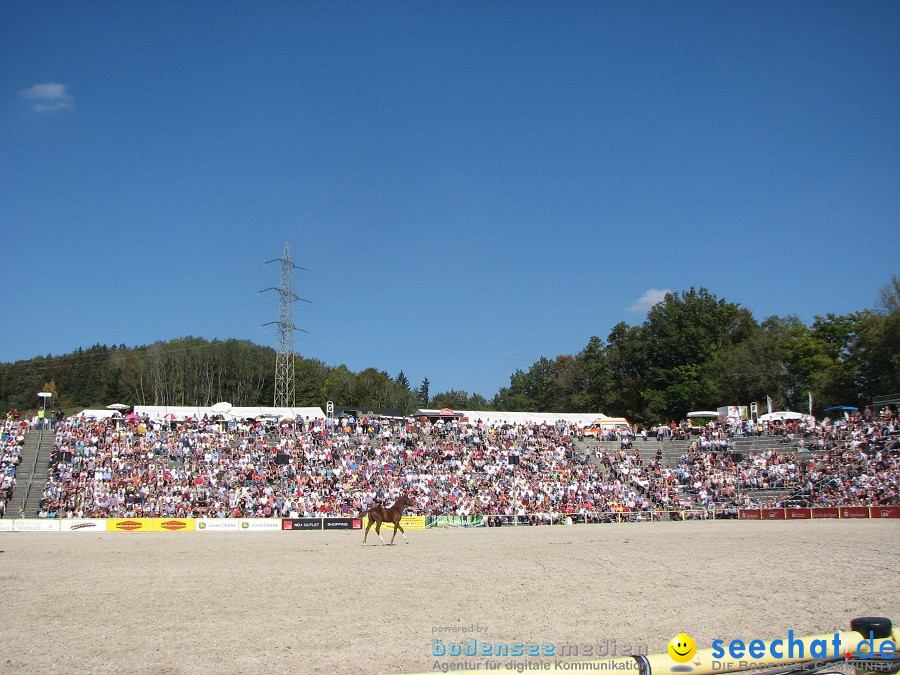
x=810, y=403
x=769, y=403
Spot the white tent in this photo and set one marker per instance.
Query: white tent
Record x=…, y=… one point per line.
x=181, y=412
x=96, y=414
x=550, y=418
x=784, y=415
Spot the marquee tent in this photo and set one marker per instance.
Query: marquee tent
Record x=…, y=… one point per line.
x=784, y=415
x=501, y=417
x=158, y=412
x=97, y=414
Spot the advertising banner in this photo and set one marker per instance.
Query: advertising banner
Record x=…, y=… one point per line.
x=261, y=524
x=415, y=522
x=6, y=525
x=301, y=523
x=874, y=512
x=35, y=525
x=344, y=524
x=128, y=525
x=750, y=514
x=172, y=525
x=854, y=512
x=83, y=525
x=795, y=514
x=217, y=524
x=773, y=514
x=439, y=522
x=407, y=523
x=825, y=512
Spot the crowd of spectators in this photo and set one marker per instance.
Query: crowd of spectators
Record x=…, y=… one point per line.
x=213, y=468
x=12, y=438
x=841, y=462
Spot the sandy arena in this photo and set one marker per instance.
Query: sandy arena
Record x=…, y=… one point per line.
x=319, y=602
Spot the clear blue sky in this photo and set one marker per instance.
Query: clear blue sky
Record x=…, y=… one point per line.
x=471, y=185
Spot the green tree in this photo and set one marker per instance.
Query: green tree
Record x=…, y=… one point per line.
x=889, y=296
x=339, y=387
x=375, y=389
x=833, y=380
x=661, y=369
x=628, y=363
x=457, y=400
x=589, y=380
x=477, y=402
x=875, y=355
x=747, y=371
x=804, y=355
x=310, y=376
x=423, y=393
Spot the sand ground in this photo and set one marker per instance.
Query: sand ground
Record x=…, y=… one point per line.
x=319, y=602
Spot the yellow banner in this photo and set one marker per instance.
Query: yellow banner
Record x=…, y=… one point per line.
x=128, y=525
x=172, y=525
x=406, y=522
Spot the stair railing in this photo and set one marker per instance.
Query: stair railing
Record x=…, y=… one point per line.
x=37, y=453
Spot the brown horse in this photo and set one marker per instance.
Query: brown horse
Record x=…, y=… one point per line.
x=392, y=514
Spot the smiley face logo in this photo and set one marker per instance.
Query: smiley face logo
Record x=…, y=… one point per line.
x=682, y=648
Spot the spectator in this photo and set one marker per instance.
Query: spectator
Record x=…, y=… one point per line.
x=312, y=468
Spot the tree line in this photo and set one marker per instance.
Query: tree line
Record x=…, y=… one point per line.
x=693, y=351
x=697, y=352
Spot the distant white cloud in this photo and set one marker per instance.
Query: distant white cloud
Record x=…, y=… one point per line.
x=648, y=299
x=48, y=97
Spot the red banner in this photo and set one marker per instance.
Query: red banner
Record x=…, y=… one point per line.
x=843, y=512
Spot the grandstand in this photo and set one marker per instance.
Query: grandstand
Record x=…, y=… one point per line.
x=262, y=462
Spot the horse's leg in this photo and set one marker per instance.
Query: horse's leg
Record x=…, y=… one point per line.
x=378, y=530
x=368, y=527
x=396, y=527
